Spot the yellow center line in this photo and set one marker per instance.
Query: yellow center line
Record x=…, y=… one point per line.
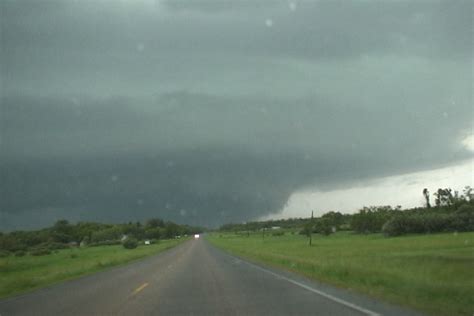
x=138, y=289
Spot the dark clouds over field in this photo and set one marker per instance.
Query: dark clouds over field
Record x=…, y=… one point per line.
x=207, y=112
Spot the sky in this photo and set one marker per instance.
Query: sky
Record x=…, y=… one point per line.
x=208, y=112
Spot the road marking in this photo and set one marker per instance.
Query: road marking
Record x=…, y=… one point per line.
x=138, y=289
x=321, y=293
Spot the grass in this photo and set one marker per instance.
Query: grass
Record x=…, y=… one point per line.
x=431, y=273
x=22, y=274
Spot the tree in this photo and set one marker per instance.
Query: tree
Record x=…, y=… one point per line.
x=468, y=193
x=426, y=194
x=153, y=233
x=306, y=230
x=130, y=243
x=371, y=219
x=171, y=230
x=62, y=231
x=107, y=234
x=324, y=226
x=444, y=197
x=334, y=219
x=154, y=223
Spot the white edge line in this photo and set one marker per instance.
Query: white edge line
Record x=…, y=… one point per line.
x=309, y=288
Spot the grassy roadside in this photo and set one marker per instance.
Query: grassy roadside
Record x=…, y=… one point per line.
x=431, y=273
x=22, y=274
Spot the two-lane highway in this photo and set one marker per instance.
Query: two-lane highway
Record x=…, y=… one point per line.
x=194, y=278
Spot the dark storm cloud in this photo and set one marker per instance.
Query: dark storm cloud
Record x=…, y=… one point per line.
x=204, y=112
x=199, y=158
x=316, y=29
x=340, y=29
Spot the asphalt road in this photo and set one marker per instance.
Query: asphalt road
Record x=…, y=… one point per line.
x=194, y=278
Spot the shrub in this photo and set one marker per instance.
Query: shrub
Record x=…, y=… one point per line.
x=112, y=233
x=463, y=222
x=40, y=252
x=371, y=219
x=130, y=243
x=465, y=209
x=4, y=253
x=307, y=230
x=11, y=243
x=324, y=226
x=428, y=223
x=433, y=223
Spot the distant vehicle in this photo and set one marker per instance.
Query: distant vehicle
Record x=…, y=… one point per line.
x=196, y=236
x=147, y=242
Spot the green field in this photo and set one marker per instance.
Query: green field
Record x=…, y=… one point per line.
x=431, y=273
x=21, y=274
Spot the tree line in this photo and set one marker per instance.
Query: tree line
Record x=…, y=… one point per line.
x=88, y=234
x=452, y=211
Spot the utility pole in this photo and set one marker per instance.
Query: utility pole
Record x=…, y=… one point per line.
x=311, y=230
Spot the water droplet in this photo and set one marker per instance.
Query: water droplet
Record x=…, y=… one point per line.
x=269, y=22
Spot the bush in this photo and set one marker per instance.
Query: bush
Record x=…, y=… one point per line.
x=4, y=253
x=428, y=223
x=11, y=243
x=130, y=243
x=324, y=226
x=465, y=209
x=371, y=219
x=306, y=230
x=112, y=233
x=40, y=252
x=20, y=253
x=463, y=222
